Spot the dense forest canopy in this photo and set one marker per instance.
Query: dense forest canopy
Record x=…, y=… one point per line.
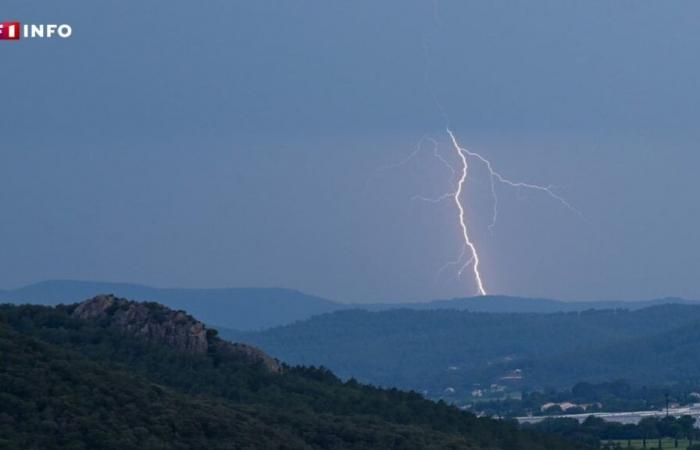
x=435, y=350
x=73, y=383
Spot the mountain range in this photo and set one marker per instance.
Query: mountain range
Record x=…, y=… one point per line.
x=246, y=309
x=236, y=308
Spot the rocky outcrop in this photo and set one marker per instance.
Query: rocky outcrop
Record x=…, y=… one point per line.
x=248, y=352
x=149, y=321
x=176, y=329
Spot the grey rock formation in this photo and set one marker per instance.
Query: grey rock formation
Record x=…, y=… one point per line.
x=176, y=329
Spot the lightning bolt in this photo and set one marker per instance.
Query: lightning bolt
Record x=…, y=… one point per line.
x=464, y=155
x=495, y=176
x=456, y=195
x=462, y=221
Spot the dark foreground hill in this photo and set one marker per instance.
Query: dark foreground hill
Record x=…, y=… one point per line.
x=114, y=374
x=436, y=350
x=249, y=309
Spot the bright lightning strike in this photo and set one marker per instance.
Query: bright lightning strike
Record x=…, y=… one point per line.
x=495, y=176
x=463, y=155
x=462, y=221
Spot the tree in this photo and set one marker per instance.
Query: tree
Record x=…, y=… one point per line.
x=687, y=425
x=648, y=428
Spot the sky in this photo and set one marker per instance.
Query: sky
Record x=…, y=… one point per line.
x=230, y=143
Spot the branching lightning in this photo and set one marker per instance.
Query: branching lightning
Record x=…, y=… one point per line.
x=456, y=195
x=457, y=191
x=494, y=176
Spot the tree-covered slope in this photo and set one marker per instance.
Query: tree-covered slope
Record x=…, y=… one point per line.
x=433, y=350
x=54, y=398
x=73, y=382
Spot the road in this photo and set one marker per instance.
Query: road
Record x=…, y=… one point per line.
x=624, y=417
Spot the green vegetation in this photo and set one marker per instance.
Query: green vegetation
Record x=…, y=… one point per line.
x=53, y=398
x=650, y=431
x=70, y=383
x=433, y=350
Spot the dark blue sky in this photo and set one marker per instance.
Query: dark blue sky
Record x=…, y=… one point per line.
x=227, y=143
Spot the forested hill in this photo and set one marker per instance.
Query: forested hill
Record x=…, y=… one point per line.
x=111, y=374
x=436, y=350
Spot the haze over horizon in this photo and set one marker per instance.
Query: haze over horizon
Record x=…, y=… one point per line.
x=245, y=153
x=57, y=286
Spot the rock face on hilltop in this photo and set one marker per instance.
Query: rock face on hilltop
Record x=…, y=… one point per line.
x=158, y=324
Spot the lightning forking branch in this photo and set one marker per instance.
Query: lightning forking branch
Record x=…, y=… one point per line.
x=456, y=194
x=463, y=154
x=459, y=176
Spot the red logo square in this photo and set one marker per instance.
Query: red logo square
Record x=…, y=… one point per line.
x=9, y=31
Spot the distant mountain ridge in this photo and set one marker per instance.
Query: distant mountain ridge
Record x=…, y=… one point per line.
x=436, y=351
x=235, y=308
x=246, y=309
x=508, y=304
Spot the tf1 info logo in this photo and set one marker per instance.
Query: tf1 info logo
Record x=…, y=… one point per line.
x=13, y=31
